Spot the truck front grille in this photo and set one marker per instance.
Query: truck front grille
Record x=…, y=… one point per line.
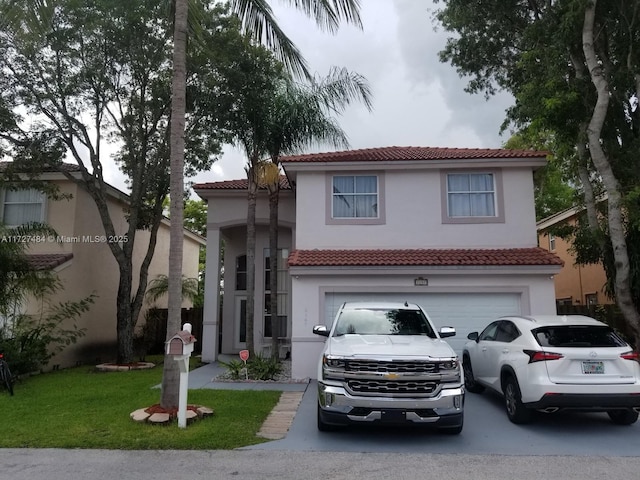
x=392, y=386
x=391, y=367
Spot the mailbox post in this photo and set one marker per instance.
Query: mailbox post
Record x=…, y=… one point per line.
x=180, y=347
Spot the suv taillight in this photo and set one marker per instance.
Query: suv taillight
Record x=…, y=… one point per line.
x=538, y=356
x=635, y=356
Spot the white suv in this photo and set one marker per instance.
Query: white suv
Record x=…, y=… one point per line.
x=551, y=363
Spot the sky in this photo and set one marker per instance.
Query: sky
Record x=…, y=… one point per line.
x=417, y=100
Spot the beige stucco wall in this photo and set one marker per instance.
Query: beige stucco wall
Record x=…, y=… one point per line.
x=93, y=268
x=573, y=281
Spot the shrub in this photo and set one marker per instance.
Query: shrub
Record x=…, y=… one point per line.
x=264, y=368
x=258, y=368
x=234, y=368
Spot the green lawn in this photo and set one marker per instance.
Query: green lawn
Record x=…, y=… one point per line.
x=82, y=408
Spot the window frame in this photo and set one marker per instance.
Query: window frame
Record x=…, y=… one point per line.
x=483, y=336
x=238, y=272
x=42, y=203
x=379, y=220
x=552, y=242
x=283, y=294
x=498, y=197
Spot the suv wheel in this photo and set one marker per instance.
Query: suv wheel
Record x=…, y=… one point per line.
x=516, y=411
x=469, y=380
x=623, y=417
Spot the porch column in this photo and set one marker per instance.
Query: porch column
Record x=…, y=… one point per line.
x=211, y=320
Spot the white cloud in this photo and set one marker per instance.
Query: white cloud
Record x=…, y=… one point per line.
x=418, y=100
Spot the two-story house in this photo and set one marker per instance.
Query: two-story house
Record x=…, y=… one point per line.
x=575, y=284
x=83, y=260
x=451, y=229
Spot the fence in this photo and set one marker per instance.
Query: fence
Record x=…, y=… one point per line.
x=154, y=332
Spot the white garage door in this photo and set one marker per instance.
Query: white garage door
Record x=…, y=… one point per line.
x=467, y=312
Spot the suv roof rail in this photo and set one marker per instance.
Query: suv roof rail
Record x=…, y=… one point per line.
x=522, y=317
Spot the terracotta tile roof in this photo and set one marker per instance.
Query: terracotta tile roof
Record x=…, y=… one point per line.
x=427, y=257
x=237, y=184
x=47, y=261
x=411, y=153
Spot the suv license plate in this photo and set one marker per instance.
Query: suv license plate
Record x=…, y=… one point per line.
x=393, y=416
x=591, y=368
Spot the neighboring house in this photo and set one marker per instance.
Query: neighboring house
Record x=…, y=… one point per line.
x=82, y=259
x=451, y=229
x=575, y=284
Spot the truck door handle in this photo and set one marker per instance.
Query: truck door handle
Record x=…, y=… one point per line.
x=506, y=350
x=484, y=349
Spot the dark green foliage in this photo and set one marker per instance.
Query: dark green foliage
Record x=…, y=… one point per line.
x=264, y=368
x=258, y=368
x=32, y=340
x=534, y=49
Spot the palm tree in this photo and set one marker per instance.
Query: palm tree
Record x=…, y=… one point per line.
x=171, y=373
x=258, y=21
x=301, y=117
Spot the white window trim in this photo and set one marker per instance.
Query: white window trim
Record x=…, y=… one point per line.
x=330, y=220
x=498, y=198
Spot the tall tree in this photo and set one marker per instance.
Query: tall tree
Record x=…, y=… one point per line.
x=171, y=373
x=574, y=69
x=259, y=23
x=78, y=75
x=301, y=116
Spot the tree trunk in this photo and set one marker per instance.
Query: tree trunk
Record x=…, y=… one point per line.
x=273, y=264
x=252, y=190
x=171, y=374
x=622, y=283
x=124, y=331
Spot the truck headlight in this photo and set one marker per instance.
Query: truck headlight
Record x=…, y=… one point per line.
x=449, y=365
x=333, y=362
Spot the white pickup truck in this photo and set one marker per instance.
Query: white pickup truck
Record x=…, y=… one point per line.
x=386, y=363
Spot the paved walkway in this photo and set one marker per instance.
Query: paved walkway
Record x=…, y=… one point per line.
x=281, y=417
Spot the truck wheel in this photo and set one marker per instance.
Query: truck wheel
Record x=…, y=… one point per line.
x=322, y=426
x=469, y=380
x=516, y=411
x=623, y=417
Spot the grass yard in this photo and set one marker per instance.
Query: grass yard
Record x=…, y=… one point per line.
x=83, y=408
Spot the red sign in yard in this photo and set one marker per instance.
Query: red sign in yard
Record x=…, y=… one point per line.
x=244, y=355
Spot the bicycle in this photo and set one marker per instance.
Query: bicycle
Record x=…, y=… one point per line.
x=6, y=379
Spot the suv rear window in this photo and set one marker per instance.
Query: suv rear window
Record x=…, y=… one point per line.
x=578, y=336
x=370, y=321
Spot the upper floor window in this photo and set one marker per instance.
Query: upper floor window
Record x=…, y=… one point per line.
x=355, y=196
x=471, y=195
x=552, y=242
x=19, y=207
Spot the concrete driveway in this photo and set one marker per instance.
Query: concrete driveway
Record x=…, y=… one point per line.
x=486, y=431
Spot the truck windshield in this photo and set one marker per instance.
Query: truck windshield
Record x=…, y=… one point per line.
x=371, y=321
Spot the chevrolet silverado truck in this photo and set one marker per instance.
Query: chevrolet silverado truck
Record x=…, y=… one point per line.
x=386, y=363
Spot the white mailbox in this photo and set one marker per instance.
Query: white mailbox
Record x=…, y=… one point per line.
x=180, y=347
x=181, y=343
